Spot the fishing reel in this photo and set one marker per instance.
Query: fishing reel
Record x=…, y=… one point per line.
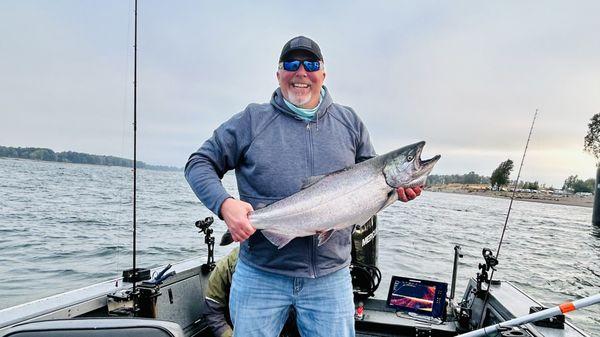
x=490, y=263
x=209, y=240
x=204, y=225
x=140, y=301
x=490, y=260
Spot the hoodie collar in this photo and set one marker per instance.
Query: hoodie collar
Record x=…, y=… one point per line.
x=279, y=104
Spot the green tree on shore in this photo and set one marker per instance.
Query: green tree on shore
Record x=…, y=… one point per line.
x=468, y=178
x=569, y=182
x=531, y=185
x=576, y=185
x=501, y=174
x=591, y=142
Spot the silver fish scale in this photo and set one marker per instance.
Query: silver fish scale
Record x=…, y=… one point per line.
x=336, y=201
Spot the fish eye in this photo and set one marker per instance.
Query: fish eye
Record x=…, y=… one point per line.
x=410, y=157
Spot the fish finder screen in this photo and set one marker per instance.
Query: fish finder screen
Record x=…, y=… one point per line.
x=420, y=296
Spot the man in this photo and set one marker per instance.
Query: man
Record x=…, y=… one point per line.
x=273, y=149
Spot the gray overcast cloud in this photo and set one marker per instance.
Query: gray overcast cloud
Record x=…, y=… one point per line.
x=464, y=76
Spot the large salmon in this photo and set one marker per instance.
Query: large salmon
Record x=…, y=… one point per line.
x=343, y=198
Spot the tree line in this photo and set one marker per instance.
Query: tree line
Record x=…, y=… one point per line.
x=501, y=177
x=469, y=178
x=44, y=154
x=573, y=183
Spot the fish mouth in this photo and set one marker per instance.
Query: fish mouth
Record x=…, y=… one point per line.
x=405, y=168
x=422, y=168
x=427, y=164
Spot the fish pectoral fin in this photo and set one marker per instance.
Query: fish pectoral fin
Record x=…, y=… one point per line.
x=279, y=240
x=391, y=198
x=324, y=236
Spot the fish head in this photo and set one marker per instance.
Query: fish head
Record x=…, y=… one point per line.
x=404, y=167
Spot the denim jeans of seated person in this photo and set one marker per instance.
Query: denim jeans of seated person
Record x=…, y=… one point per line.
x=259, y=303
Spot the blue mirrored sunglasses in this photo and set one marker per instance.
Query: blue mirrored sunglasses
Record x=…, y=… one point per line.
x=309, y=66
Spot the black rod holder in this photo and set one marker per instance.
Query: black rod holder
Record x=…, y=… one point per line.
x=209, y=240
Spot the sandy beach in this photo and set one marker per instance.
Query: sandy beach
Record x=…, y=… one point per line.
x=543, y=197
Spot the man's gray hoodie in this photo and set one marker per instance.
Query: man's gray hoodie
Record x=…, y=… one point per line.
x=273, y=152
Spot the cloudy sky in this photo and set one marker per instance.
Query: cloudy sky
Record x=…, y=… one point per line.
x=465, y=76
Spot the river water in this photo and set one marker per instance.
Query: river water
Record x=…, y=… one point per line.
x=64, y=226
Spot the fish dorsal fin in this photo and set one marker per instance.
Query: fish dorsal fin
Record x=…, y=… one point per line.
x=308, y=182
x=324, y=236
x=277, y=239
x=315, y=179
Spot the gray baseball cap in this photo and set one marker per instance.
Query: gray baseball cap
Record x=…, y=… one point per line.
x=301, y=43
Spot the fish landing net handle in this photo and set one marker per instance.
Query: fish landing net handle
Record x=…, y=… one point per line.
x=557, y=310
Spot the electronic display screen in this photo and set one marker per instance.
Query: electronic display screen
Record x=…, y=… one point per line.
x=420, y=296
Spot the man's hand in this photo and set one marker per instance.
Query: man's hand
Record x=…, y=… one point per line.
x=235, y=213
x=406, y=194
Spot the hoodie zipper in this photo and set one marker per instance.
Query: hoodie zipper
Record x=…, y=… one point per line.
x=312, y=251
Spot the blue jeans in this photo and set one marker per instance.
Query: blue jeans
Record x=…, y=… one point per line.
x=259, y=303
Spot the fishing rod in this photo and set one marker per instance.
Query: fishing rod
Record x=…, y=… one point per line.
x=536, y=316
x=512, y=198
x=134, y=139
x=143, y=296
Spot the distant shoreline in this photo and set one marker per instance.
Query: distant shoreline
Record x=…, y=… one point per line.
x=48, y=155
x=569, y=200
x=86, y=164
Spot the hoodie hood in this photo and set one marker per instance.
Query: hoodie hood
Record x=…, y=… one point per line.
x=279, y=104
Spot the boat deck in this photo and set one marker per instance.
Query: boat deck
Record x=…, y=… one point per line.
x=181, y=303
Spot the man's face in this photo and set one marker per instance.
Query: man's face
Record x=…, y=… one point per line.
x=301, y=88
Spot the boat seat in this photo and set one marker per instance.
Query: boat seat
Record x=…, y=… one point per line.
x=96, y=327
